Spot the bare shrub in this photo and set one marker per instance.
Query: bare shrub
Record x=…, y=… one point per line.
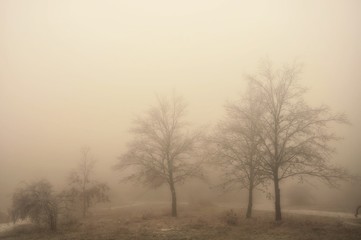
x=37, y=202
x=230, y=217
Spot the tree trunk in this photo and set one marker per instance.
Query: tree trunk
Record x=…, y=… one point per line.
x=357, y=209
x=174, y=200
x=53, y=223
x=52, y=219
x=84, y=205
x=250, y=202
x=278, y=215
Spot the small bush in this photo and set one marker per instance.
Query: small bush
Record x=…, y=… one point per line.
x=230, y=217
x=36, y=202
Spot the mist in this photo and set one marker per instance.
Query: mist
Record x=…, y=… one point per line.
x=78, y=73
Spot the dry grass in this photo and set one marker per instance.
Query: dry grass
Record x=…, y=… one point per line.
x=194, y=222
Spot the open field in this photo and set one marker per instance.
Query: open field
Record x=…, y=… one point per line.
x=194, y=222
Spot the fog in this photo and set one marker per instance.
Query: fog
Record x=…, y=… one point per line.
x=77, y=73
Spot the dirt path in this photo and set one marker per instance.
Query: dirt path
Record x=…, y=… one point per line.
x=321, y=213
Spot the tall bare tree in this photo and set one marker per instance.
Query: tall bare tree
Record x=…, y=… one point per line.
x=296, y=138
x=236, y=146
x=83, y=186
x=163, y=150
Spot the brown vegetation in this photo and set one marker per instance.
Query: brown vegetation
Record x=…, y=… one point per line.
x=153, y=222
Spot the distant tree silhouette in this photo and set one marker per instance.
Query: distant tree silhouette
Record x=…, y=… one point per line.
x=83, y=188
x=163, y=150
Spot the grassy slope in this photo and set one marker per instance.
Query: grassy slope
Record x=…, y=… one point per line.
x=193, y=223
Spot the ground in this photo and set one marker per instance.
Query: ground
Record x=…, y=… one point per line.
x=194, y=222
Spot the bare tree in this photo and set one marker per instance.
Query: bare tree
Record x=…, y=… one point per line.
x=295, y=137
x=236, y=148
x=163, y=150
x=36, y=201
x=82, y=185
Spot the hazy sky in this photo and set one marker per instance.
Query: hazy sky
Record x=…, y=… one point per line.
x=75, y=73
